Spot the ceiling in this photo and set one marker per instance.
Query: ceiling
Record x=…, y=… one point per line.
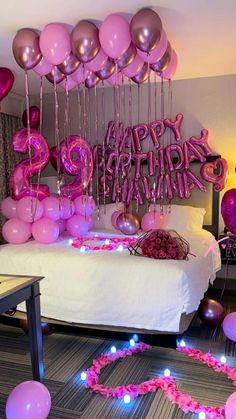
x=203, y=32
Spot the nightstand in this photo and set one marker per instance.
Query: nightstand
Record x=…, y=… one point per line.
x=228, y=248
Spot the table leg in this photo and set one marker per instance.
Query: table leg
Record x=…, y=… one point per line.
x=35, y=332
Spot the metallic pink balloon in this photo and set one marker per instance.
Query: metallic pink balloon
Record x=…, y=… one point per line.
x=219, y=180
x=97, y=63
x=26, y=49
x=157, y=129
x=20, y=177
x=190, y=180
x=134, y=67
x=85, y=41
x=80, y=75
x=127, y=223
x=107, y=70
x=92, y=80
x=34, y=117
x=163, y=62
x=177, y=149
x=210, y=312
x=55, y=43
x=69, y=65
x=82, y=167
x=114, y=217
x=127, y=57
x=228, y=210
x=115, y=79
x=191, y=153
x=170, y=70
x=142, y=75
x=114, y=35
x=43, y=67
x=6, y=81
x=55, y=74
x=140, y=132
x=157, y=52
x=145, y=29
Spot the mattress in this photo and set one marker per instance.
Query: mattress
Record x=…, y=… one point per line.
x=114, y=288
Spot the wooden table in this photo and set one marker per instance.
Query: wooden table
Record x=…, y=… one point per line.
x=15, y=289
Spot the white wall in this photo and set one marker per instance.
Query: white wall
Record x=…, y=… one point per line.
x=205, y=103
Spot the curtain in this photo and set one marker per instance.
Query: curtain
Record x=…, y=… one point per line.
x=9, y=124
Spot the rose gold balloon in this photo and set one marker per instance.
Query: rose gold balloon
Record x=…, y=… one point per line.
x=92, y=80
x=128, y=57
x=26, y=49
x=142, y=75
x=107, y=70
x=69, y=65
x=57, y=74
x=127, y=223
x=210, y=312
x=145, y=29
x=85, y=41
x=162, y=64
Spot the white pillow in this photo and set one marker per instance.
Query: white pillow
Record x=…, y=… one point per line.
x=182, y=217
x=104, y=221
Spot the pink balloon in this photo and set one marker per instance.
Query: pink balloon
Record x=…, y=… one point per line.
x=228, y=209
x=81, y=167
x=45, y=230
x=115, y=79
x=29, y=209
x=30, y=400
x=151, y=220
x=114, y=35
x=68, y=83
x=51, y=208
x=19, y=179
x=229, y=326
x=168, y=73
x=34, y=117
x=97, y=62
x=84, y=205
x=67, y=208
x=80, y=75
x=62, y=225
x=8, y=207
x=156, y=53
x=77, y=226
x=90, y=222
x=55, y=43
x=16, y=231
x=175, y=125
x=230, y=406
x=114, y=217
x=6, y=81
x=134, y=67
x=43, y=67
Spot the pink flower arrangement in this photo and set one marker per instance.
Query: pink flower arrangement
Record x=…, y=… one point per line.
x=166, y=384
x=111, y=243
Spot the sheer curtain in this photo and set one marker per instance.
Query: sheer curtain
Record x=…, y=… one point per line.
x=9, y=124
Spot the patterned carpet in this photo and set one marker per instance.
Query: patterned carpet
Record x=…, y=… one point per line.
x=67, y=354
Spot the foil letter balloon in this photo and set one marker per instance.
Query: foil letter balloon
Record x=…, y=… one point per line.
x=219, y=180
x=20, y=177
x=82, y=167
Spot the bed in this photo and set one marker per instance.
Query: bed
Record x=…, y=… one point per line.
x=117, y=291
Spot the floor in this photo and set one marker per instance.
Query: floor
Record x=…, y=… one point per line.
x=67, y=354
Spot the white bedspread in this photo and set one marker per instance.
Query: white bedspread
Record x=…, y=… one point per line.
x=114, y=288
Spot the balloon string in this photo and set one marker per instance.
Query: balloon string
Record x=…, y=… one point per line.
x=79, y=111
x=84, y=111
x=225, y=278
x=66, y=114
x=40, y=127
x=138, y=103
x=162, y=119
x=57, y=137
x=149, y=120
x=130, y=124
x=89, y=111
x=103, y=149
x=155, y=93
x=33, y=211
x=96, y=138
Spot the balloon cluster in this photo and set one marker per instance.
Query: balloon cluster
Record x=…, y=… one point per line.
x=45, y=220
x=90, y=54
